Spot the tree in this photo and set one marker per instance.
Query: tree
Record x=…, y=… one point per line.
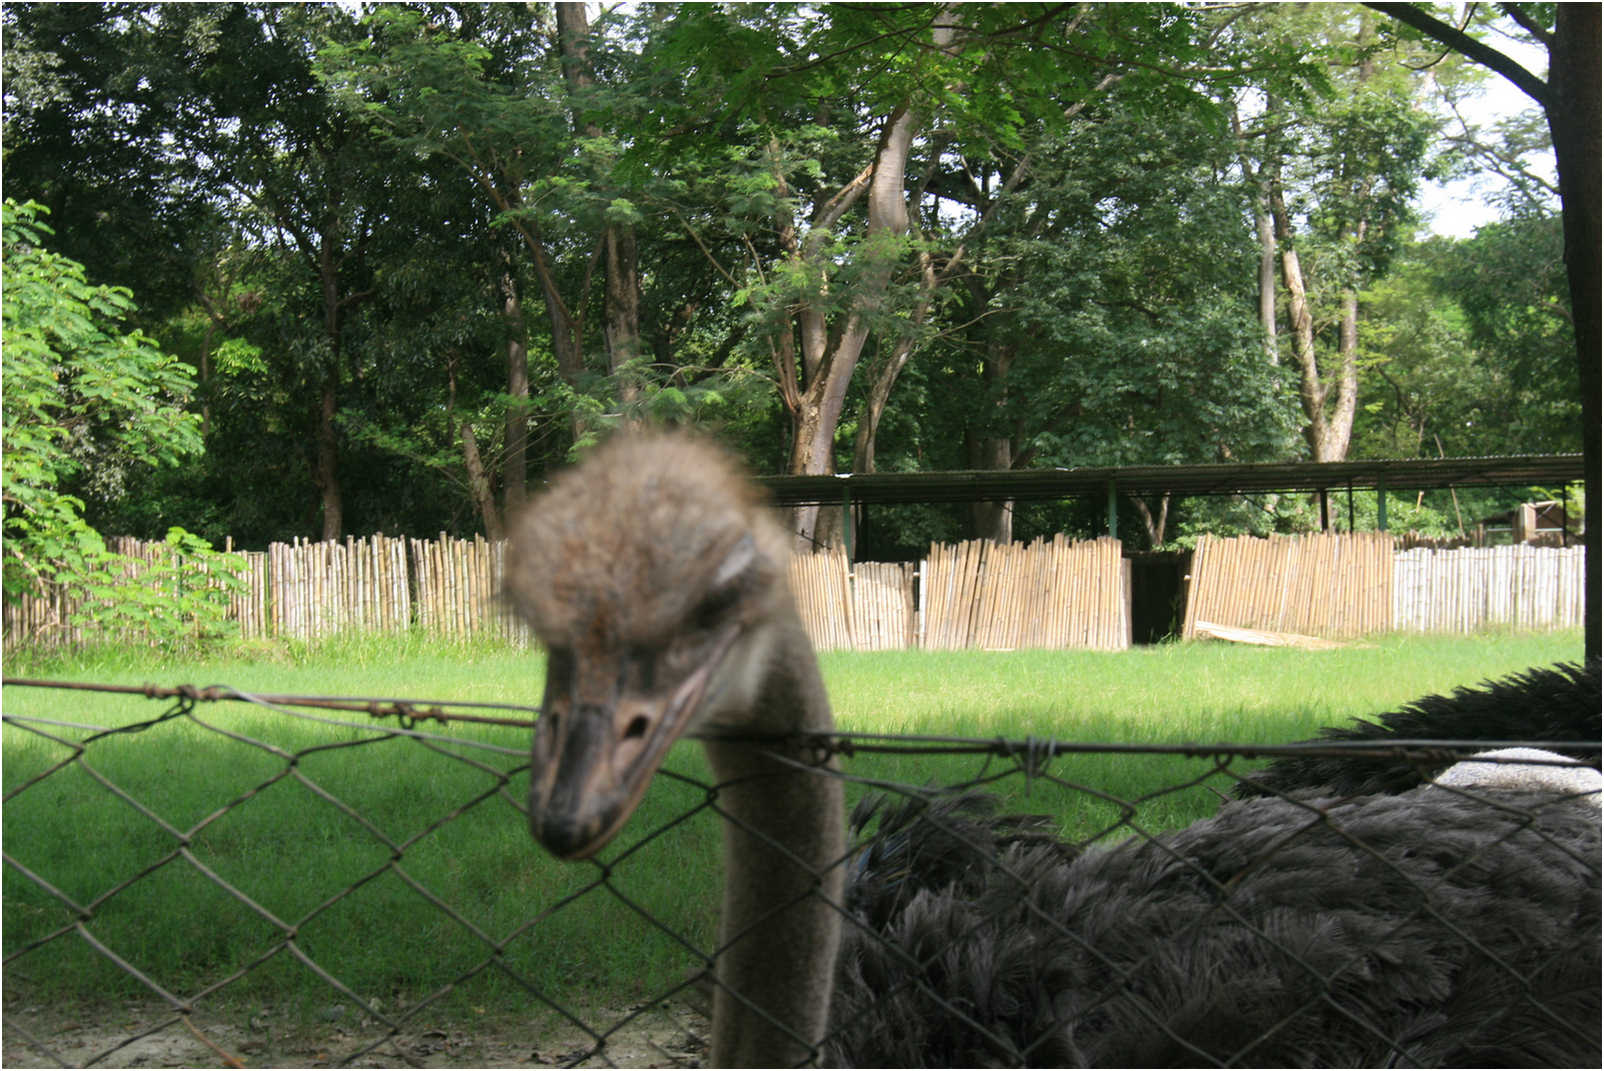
x=298, y=165
x=1336, y=172
x=82, y=397
x=417, y=255
x=1467, y=348
x=86, y=398
x=73, y=143
x=1085, y=339
x=217, y=105
x=1508, y=282
x=1570, y=99
x=821, y=183
x=508, y=99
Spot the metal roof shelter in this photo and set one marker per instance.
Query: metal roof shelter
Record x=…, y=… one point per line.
x=1037, y=484
x=1182, y=480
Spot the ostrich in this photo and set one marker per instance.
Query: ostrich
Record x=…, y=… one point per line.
x=1557, y=703
x=1526, y=769
x=1424, y=927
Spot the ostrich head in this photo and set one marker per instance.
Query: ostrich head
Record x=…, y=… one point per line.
x=649, y=573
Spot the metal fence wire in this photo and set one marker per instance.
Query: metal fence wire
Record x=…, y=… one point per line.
x=323, y=881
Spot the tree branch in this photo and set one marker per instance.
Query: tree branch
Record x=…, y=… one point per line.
x=1527, y=23
x=1462, y=42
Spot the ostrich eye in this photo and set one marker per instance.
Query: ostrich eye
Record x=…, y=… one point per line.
x=559, y=664
x=715, y=607
x=640, y=666
x=730, y=582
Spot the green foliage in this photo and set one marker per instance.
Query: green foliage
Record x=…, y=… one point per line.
x=1468, y=349
x=1425, y=391
x=82, y=396
x=79, y=394
x=1102, y=345
x=313, y=197
x=174, y=597
x=1509, y=283
x=1366, y=155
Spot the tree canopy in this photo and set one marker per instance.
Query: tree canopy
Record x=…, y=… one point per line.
x=408, y=257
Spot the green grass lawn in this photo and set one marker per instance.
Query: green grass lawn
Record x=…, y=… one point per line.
x=357, y=842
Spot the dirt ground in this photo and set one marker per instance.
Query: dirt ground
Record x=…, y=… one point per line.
x=133, y=1035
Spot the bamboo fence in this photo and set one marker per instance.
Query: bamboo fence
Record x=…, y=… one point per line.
x=46, y=617
x=1462, y=590
x=1045, y=594
x=41, y=618
x=1323, y=584
x=823, y=591
x=311, y=590
x=883, y=617
x=1049, y=594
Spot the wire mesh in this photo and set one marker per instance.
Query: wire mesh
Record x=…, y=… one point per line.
x=295, y=880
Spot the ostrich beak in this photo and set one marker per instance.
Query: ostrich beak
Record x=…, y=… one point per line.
x=603, y=732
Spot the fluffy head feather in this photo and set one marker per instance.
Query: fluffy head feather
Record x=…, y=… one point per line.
x=628, y=547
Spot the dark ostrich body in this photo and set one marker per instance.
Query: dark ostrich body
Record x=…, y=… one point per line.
x=1424, y=928
x=1555, y=704
x=1459, y=935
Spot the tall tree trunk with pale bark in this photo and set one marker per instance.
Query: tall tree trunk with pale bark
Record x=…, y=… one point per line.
x=1328, y=400
x=1264, y=229
x=515, y=473
x=815, y=393
x=814, y=358
x=621, y=298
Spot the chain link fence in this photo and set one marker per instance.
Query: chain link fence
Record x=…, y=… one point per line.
x=249, y=880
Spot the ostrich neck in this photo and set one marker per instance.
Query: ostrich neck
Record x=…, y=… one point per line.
x=783, y=839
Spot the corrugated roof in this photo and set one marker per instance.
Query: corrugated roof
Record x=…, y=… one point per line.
x=1548, y=470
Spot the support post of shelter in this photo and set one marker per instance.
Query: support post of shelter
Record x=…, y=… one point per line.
x=1381, y=504
x=1325, y=511
x=1113, y=510
x=846, y=517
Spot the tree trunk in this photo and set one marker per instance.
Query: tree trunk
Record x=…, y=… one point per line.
x=621, y=300
x=829, y=357
x=573, y=29
x=1339, y=422
x=1264, y=227
x=515, y=474
x=827, y=367
x=622, y=312
x=1154, y=525
x=1311, y=388
x=328, y=447
x=874, y=406
x=1267, y=318
x=989, y=448
x=993, y=520
x=479, y=484
x=480, y=481
x=206, y=378
x=1328, y=406
x=327, y=471
x=1573, y=123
